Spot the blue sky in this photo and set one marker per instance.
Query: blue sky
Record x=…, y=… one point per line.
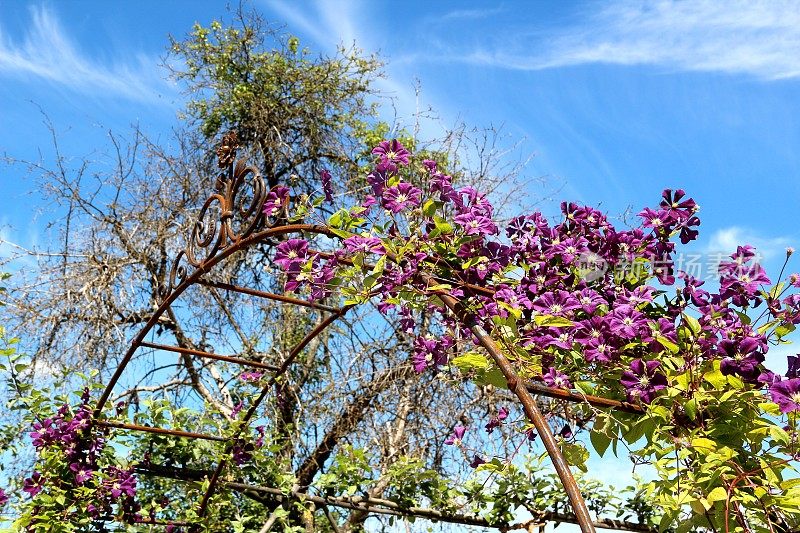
x=617, y=100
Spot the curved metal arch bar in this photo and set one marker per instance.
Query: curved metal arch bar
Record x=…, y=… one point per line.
x=190, y=280
x=518, y=387
x=515, y=384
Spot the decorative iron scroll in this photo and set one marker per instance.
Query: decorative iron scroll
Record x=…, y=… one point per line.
x=232, y=213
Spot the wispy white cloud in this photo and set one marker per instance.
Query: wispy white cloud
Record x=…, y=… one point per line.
x=726, y=240
x=331, y=24
x=760, y=38
x=47, y=52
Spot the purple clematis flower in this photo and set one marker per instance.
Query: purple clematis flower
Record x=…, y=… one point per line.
x=377, y=180
x=600, y=350
x=768, y=377
x=3, y=497
x=592, y=330
x=742, y=358
x=441, y=183
x=82, y=473
x=786, y=394
x=655, y=219
x=554, y=378
x=44, y=433
x=259, y=442
x=677, y=206
x=403, y=196
x=590, y=300
x=688, y=232
x=430, y=165
x=321, y=282
x=793, y=366
x=327, y=185
x=391, y=153
x=741, y=284
x=291, y=253
x=455, y=438
x=626, y=322
x=241, y=452
x=123, y=484
x=570, y=249
x=250, y=376
x=430, y=352
x=692, y=291
x=513, y=299
x=276, y=199
x=476, y=224
x=34, y=484
x=356, y=244
x=477, y=461
x=556, y=303
x=643, y=381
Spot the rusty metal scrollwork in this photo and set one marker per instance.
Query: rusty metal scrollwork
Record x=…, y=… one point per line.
x=232, y=213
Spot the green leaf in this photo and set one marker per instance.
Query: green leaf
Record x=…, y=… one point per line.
x=336, y=219
x=692, y=323
x=744, y=318
x=704, y=444
x=429, y=208
x=493, y=377
x=552, y=321
x=470, y=361
x=576, y=454
x=764, y=327
x=779, y=435
x=341, y=233
x=717, y=494
x=585, y=387
x=716, y=378
x=443, y=226
x=784, y=329
x=666, y=343
x=691, y=409
x=600, y=441
x=770, y=408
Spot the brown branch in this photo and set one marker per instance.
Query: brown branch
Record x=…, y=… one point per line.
x=347, y=422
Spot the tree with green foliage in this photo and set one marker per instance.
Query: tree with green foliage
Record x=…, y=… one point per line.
x=297, y=113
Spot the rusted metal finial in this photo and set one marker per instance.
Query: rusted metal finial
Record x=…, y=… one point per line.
x=226, y=153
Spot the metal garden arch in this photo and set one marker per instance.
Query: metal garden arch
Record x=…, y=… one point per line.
x=231, y=220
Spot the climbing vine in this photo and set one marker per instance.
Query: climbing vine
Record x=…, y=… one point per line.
x=577, y=305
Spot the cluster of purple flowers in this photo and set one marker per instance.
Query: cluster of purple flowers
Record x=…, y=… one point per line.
x=612, y=320
x=72, y=435
x=431, y=352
